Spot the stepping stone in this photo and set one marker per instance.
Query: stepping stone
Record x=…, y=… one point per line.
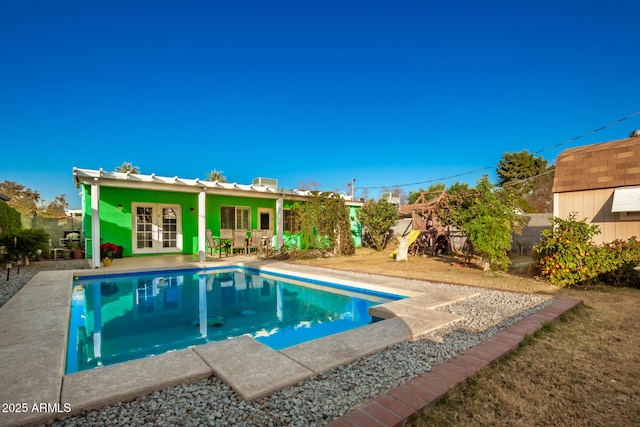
x=251, y=368
x=122, y=382
x=327, y=353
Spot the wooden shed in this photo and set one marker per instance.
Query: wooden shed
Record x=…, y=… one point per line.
x=601, y=182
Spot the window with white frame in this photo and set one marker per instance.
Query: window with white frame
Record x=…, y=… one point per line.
x=235, y=217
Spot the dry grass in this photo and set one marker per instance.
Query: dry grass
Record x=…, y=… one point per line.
x=582, y=370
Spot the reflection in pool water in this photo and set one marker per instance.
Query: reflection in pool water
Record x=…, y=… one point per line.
x=120, y=318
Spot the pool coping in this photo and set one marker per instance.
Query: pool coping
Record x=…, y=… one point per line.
x=38, y=378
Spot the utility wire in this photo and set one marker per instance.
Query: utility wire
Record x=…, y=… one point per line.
x=515, y=182
x=429, y=181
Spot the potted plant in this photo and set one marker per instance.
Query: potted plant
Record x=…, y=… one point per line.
x=76, y=250
x=108, y=251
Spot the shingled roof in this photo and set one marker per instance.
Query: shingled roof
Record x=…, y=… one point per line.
x=606, y=165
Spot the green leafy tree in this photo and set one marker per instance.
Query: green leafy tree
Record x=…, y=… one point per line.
x=24, y=200
x=377, y=217
x=517, y=168
x=530, y=177
x=458, y=187
x=216, y=175
x=9, y=219
x=413, y=195
x=127, y=167
x=488, y=217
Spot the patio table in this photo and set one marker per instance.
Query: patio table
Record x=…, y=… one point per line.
x=223, y=243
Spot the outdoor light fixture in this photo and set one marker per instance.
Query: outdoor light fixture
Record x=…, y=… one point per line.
x=19, y=263
x=9, y=264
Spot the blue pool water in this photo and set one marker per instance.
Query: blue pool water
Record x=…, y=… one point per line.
x=124, y=317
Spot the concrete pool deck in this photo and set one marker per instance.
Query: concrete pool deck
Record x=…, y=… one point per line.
x=33, y=345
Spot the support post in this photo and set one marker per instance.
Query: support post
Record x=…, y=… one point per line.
x=279, y=222
x=95, y=223
x=202, y=224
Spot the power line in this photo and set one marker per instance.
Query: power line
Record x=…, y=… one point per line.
x=511, y=183
x=589, y=133
x=429, y=181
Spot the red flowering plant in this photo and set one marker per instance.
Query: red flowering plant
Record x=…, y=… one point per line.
x=108, y=250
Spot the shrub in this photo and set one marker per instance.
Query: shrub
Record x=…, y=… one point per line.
x=25, y=243
x=622, y=256
x=9, y=219
x=377, y=217
x=566, y=256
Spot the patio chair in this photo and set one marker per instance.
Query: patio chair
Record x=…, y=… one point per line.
x=226, y=234
x=211, y=244
x=267, y=241
x=239, y=241
x=220, y=243
x=255, y=241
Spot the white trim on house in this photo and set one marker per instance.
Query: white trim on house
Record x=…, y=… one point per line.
x=95, y=223
x=626, y=199
x=100, y=178
x=150, y=236
x=154, y=182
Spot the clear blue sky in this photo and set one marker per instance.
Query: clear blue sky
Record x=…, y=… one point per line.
x=386, y=92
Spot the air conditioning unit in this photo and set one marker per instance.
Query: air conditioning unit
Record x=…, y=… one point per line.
x=265, y=182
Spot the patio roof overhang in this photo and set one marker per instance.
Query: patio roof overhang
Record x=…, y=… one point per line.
x=187, y=185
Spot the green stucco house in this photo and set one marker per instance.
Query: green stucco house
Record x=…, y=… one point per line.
x=155, y=215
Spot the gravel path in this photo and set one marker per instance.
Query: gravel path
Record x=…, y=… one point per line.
x=318, y=400
x=9, y=288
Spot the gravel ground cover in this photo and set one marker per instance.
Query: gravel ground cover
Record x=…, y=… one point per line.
x=9, y=288
x=318, y=400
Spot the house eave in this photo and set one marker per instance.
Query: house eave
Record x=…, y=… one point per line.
x=185, y=185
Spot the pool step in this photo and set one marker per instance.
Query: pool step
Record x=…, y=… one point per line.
x=251, y=368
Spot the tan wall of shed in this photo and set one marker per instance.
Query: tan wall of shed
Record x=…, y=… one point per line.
x=595, y=205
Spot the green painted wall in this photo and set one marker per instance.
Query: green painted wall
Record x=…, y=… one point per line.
x=116, y=222
x=213, y=204
x=116, y=216
x=356, y=227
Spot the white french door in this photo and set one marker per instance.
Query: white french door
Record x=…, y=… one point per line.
x=157, y=228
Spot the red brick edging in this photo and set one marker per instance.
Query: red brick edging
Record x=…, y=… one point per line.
x=421, y=393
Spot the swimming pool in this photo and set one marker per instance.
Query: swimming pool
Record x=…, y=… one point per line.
x=123, y=317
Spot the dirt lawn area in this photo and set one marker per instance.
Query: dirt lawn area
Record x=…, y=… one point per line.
x=581, y=370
